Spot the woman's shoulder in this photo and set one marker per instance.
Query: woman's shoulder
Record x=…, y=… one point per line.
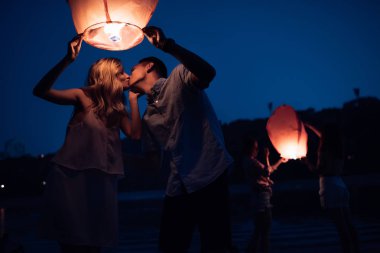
x=84, y=98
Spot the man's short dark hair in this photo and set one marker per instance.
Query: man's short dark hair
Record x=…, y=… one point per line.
x=159, y=66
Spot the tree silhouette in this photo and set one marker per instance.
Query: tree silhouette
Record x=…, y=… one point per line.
x=357, y=92
x=14, y=148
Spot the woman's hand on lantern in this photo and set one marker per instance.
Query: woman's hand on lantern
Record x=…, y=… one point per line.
x=276, y=165
x=74, y=47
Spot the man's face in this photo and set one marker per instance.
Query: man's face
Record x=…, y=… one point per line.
x=138, y=74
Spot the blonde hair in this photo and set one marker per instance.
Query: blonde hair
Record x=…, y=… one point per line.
x=105, y=89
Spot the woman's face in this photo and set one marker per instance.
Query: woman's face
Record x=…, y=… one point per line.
x=123, y=77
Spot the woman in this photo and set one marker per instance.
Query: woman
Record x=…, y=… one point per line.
x=334, y=195
x=257, y=175
x=81, y=193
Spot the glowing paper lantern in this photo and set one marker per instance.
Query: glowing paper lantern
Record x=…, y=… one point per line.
x=112, y=24
x=287, y=133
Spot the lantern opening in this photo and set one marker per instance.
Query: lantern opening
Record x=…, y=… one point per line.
x=113, y=35
x=113, y=29
x=291, y=150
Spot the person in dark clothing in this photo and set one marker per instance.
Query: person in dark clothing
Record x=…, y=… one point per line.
x=258, y=176
x=333, y=192
x=180, y=121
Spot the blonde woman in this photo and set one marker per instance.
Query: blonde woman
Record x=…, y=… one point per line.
x=81, y=193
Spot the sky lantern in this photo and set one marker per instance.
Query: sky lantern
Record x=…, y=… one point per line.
x=112, y=24
x=287, y=133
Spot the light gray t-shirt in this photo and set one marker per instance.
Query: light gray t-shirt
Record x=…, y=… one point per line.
x=181, y=120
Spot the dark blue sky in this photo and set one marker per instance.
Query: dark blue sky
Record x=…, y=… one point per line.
x=299, y=52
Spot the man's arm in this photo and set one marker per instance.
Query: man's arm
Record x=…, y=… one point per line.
x=314, y=129
x=202, y=72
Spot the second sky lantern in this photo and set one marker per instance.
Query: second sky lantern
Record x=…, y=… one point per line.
x=287, y=133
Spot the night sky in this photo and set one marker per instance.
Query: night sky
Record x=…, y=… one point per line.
x=308, y=54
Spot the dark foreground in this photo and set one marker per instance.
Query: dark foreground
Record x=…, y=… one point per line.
x=298, y=223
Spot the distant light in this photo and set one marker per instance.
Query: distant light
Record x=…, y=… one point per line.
x=43, y=183
x=42, y=156
x=2, y=186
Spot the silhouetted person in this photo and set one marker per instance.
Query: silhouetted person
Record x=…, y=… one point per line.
x=81, y=192
x=258, y=176
x=180, y=120
x=334, y=195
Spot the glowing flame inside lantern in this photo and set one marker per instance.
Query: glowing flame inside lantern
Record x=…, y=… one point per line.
x=113, y=30
x=291, y=150
x=287, y=133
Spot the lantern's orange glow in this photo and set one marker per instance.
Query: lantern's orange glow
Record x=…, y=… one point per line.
x=112, y=24
x=287, y=133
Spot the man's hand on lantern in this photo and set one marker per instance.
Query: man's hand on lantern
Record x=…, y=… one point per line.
x=158, y=39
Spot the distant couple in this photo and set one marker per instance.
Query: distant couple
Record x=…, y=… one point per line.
x=81, y=193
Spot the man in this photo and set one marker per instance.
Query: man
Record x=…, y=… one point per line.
x=181, y=121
